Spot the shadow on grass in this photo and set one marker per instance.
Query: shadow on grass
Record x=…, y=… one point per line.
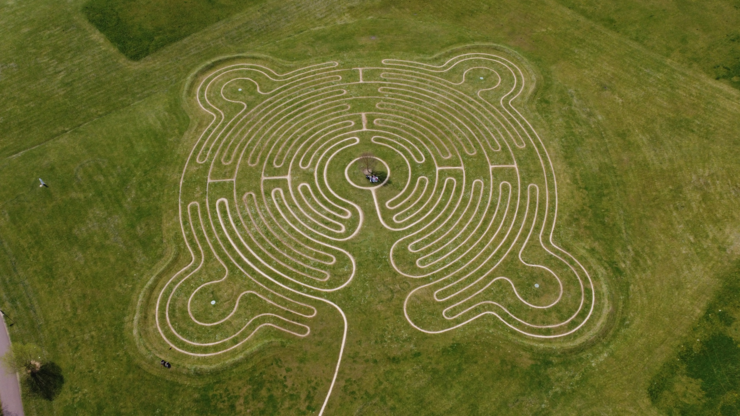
x=140, y=27
x=382, y=177
x=47, y=382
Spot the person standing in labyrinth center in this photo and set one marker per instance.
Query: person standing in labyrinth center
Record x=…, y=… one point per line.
x=464, y=204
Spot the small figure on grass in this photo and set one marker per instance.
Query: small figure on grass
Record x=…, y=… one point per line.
x=367, y=163
x=7, y=318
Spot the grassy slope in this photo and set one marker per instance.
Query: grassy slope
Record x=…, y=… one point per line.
x=704, y=35
x=704, y=376
x=140, y=28
x=640, y=147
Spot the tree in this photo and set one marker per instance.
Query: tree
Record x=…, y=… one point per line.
x=40, y=376
x=367, y=163
x=24, y=359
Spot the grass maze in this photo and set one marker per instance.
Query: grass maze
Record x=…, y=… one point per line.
x=271, y=197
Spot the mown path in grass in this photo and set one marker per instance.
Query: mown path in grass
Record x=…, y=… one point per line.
x=271, y=197
x=646, y=184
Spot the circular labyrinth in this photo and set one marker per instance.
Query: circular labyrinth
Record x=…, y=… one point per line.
x=270, y=193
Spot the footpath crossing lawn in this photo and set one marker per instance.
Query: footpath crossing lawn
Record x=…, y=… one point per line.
x=636, y=136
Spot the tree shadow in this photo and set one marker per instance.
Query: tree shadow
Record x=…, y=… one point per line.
x=47, y=382
x=382, y=177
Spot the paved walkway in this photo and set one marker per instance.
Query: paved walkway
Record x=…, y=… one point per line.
x=10, y=390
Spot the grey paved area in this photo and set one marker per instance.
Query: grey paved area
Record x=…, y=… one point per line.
x=10, y=391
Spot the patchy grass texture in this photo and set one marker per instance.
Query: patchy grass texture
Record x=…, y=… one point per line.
x=139, y=28
x=205, y=153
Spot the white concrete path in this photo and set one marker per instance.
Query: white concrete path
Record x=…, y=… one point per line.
x=10, y=389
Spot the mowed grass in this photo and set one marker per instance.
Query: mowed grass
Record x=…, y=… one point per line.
x=702, y=35
x=648, y=185
x=138, y=28
x=704, y=376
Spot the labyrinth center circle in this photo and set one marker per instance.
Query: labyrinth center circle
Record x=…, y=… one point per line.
x=465, y=190
x=273, y=205
x=303, y=160
x=357, y=174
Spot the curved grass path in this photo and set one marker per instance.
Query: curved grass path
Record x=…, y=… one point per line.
x=270, y=194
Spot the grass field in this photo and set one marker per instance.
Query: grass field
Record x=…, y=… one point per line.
x=639, y=131
x=708, y=39
x=138, y=29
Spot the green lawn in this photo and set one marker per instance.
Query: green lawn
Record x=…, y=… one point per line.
x=640, y=132
x=703, y=36
x=139, y=28
x=703, y=376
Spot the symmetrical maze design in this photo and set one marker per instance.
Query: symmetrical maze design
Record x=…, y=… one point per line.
x=271, y=193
